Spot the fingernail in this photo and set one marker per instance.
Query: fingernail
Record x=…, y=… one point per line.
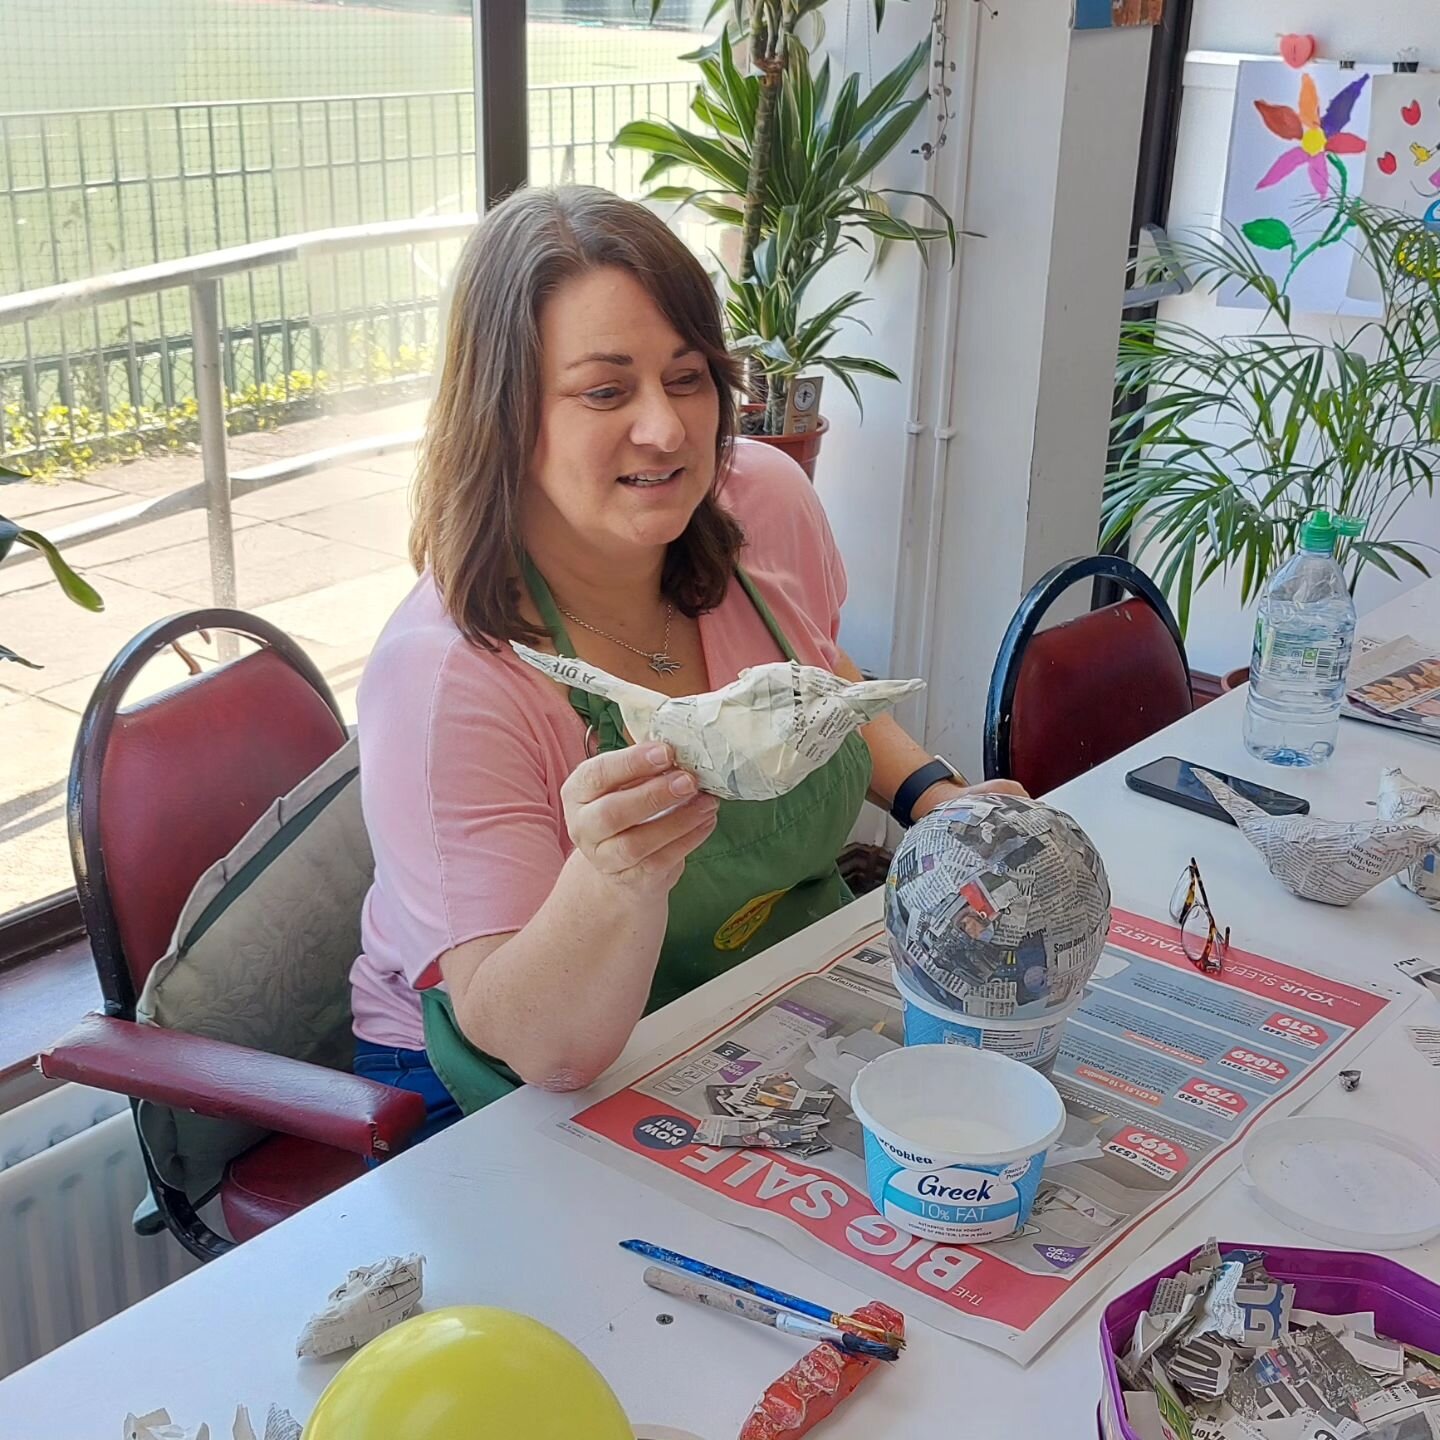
x=658, y=756
x=683, y=784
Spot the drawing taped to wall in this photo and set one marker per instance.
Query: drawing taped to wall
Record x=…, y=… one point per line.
x=1297, y=149
x=1402, y=166
x=1106, y=14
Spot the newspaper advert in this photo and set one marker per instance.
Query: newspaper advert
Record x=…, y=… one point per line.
x=1163, y=1072
x=756, y=738
x=1396, y=683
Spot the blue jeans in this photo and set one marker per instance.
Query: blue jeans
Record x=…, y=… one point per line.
x=409, y=1070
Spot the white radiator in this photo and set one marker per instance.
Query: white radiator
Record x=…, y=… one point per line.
x=70, y=1178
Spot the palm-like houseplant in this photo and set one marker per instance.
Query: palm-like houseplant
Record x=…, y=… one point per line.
x=1230, y=441
x=786, y=154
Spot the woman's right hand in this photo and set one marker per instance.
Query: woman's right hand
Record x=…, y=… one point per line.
x=612, y=802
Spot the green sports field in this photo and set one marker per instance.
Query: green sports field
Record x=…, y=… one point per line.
x=137, y=130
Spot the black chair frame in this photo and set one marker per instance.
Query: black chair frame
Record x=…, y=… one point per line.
x=1005, y=677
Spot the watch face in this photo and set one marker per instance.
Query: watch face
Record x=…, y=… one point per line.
x=804, y=395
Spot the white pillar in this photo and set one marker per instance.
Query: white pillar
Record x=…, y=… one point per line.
x=1009, y=463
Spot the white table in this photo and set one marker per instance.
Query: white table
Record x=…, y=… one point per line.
x=508, y=1217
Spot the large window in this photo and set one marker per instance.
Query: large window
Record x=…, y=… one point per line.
x=165, y=130
x=158, y=131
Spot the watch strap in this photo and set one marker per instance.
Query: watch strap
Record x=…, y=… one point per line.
x=916, y=784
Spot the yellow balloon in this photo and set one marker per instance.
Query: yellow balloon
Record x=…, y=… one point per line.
x=469, y=1373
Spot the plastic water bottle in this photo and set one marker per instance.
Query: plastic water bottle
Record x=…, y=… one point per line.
x=1303, y=634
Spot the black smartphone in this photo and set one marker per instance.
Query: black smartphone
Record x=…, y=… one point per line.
x=1175, y=780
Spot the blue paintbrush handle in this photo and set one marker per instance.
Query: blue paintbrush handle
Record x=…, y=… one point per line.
x=724, y=1277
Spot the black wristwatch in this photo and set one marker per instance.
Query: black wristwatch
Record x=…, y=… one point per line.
x=914, y=785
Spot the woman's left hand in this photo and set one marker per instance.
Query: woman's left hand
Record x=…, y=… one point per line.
x=946, y=791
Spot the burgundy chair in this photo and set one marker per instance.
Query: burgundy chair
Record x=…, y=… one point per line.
x=1065, y=699
x=158, y=792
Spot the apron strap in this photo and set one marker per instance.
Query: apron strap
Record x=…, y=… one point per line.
x=603, y=716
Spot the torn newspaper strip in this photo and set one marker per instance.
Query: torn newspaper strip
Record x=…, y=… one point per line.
x=1331, y=861
x=371, y=1300
x=157, y=1425
x=756, y=738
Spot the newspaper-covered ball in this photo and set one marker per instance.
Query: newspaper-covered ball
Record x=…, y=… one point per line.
x=997, y=907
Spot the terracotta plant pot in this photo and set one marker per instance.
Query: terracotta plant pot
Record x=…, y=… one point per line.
x=1234, y=679
x=804, y=449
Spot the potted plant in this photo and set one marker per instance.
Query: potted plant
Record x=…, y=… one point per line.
x=1230, y=441
x=788, y=161
x=78, y=590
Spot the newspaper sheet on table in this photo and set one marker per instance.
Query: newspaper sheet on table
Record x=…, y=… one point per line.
x=1395, y=683
x=1163, y=1071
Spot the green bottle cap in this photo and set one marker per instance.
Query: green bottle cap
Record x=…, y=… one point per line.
x=1320, y=529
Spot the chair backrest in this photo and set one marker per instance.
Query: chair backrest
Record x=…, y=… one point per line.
x=1065, y=699
x=161, y=790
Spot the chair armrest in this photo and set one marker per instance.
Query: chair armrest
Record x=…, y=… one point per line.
x=232, y=1082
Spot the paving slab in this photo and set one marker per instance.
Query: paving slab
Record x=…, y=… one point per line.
x=336, y=485
x=379, y=522
x=272, y=562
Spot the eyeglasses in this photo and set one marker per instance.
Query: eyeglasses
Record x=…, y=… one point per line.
x=1204, y=943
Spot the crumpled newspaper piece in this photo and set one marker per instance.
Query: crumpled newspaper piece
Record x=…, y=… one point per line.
x=1332, y=861
x=371, y=1300
x=157, y=1425
x=756, y=738
x=1404, y=799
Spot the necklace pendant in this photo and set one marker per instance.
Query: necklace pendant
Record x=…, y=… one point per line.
x=662, y=664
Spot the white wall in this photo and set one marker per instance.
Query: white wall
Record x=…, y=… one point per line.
x=858, y=475
x=1011, y=452
x=1220, y=629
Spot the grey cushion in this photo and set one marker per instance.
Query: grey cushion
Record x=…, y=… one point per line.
x=261, y=956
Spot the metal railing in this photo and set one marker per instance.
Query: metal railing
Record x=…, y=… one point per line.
x=83, y=191
x=202, y=277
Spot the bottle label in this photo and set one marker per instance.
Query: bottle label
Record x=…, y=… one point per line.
x=1289, y=655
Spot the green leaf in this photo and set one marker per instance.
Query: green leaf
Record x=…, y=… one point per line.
x=6, y=653
x=1268, y=234
x=9, y=533
x=80, y=591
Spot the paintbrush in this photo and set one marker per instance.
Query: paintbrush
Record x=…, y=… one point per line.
x=762, y=1292
x=716, y=1297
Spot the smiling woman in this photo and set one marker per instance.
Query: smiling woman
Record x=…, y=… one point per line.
x=539, y=881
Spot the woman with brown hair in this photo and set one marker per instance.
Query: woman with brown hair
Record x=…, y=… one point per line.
x=539, y=882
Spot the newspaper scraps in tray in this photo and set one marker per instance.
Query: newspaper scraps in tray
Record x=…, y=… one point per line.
x=1223, y=1353
x=1396, y=683
x=1332, y=861
x=756, y=738
x=1163, y=1071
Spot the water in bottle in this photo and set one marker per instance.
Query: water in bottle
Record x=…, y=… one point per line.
x=1303, y=634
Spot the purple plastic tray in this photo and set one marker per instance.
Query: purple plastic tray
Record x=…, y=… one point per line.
x=1336, y=1282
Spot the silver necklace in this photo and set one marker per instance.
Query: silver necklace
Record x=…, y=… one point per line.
x=660, y=661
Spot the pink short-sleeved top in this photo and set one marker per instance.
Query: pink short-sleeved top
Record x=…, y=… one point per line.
x=463, y=751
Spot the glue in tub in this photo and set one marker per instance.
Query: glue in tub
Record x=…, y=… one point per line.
x=955, y=1140
x=928, y=1022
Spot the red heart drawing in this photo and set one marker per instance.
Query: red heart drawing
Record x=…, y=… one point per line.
x=1386, y=163
x=1297, y=50
x=1410, y=114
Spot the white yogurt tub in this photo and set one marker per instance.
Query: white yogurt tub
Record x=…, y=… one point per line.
x=955, y=1140
x=1033, y=1042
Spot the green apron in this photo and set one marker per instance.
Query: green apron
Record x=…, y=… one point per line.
x=766, y=871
